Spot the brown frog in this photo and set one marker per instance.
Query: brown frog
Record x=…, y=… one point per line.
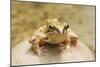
x=53, y=37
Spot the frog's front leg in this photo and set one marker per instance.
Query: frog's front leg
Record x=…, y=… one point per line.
x=73, y=38
x=36, y=42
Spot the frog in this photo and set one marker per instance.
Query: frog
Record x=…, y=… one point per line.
x=53, y=37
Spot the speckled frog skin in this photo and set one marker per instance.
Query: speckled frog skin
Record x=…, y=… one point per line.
x=53, y=37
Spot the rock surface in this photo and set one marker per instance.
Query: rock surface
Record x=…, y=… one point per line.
x=23, y=54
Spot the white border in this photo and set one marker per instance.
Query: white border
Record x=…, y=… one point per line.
x=4, y=33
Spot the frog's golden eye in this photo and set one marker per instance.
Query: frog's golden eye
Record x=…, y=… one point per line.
x=51, y=28
x=66, y=26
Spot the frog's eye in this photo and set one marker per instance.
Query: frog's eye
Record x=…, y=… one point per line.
x=51, y=28
x=66, y=26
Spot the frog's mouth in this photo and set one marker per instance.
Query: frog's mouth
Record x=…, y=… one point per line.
x=49, y=46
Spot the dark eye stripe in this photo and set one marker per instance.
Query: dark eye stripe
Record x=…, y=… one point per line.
x=56, y=29
x=66, y=26
x=52, y=28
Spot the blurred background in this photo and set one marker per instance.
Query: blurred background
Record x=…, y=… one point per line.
x=26, y=17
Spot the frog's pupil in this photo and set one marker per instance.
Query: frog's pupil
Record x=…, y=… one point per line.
x=51, y=27
x=67, y=26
